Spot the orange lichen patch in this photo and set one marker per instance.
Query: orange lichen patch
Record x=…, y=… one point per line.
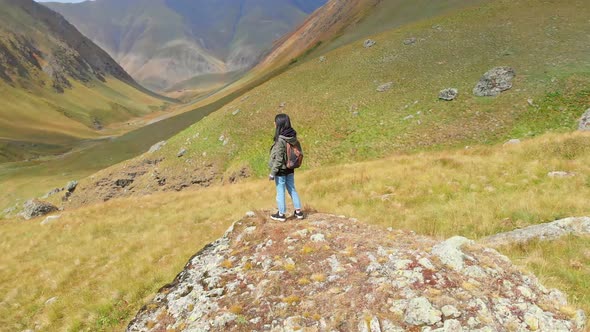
x=318, y=277
x=236, y=309
x=307, y=249
x=247, y=266
x=226, y=264
x=289, y=267
x=349, y=251
x=303, y=281
x=292, y=299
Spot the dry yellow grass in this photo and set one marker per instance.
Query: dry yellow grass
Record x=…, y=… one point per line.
x=104, y=261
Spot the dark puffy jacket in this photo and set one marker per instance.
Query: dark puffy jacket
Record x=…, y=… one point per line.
x=278, y=156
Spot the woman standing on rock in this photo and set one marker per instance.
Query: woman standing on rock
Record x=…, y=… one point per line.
x=282, y=166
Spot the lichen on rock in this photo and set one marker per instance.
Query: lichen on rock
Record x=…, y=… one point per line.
x=36, y=208
x=494, y=82
x=268, y=276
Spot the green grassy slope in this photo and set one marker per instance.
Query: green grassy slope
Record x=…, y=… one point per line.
x=341, y=117
x=162, y=43
x=64, y=120
x=392, y=14
x=57, y=87
x=23, y=180
x=339, y=23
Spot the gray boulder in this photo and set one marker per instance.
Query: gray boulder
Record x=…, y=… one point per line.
x=542, y=232
x=385, y=87
x=449, y=252
x=369, y=43
x=585, y=121
x=560, y=174
x=52, y=192
x=157, y=146
x=51, y=300
x=71, y=186
x=323, y=59
x=49, y=219
x=410, y=41
x=448, y=94
x=514, y=141
x=36, y=208
x=421, y=312
x=494, y=82
x=181, y=152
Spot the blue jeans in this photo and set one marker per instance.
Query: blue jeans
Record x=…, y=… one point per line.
x=287, y=182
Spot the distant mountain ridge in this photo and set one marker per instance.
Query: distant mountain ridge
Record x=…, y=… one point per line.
x=163, y=42
x=65, y=54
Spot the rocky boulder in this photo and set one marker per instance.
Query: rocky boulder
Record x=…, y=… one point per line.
x=71, y=186
x=513, y=141
x=448, y=94
x=385, y=87
x=157, y=146
x=560, y=174
x=50, y=219
x=181, y=152
x=495, y=82
x=369, y=43
x=52, y=192
x=585, y=121
x=541, y=232
x=329, y=273
x=410, y=41
x=36, y=208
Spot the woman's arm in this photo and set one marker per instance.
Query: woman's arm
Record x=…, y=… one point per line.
x=277, y=157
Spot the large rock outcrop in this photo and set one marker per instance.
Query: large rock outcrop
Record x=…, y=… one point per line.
x=494, y=82
x=36, y=208
x=330, y=273
x=542, y=232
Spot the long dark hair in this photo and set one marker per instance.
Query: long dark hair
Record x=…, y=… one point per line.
x=283, y=122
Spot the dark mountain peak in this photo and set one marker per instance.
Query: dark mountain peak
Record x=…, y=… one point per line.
x=35, y=37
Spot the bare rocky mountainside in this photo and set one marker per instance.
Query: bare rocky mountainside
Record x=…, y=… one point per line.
x=58, y=88
x=330, y=273
x=36, y=40
x=163, y=42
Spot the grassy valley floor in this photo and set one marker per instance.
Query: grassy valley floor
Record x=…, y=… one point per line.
x=104, y=261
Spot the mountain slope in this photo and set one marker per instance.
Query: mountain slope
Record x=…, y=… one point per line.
x=338, y=23
x=323, y=25
x=57, y=86
x=341, y=22
x=163, y=42
x=341, y=116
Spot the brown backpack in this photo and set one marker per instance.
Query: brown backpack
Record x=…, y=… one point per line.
x=294, y=156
